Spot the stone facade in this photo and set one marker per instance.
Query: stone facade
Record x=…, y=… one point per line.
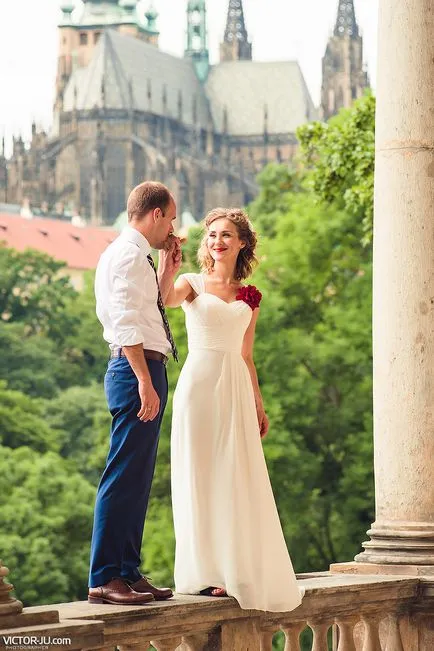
x=125, y=111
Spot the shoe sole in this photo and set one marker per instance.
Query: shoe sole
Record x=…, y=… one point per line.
x=98, y=600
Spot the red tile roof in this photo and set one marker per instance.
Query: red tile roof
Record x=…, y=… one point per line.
x=79, y=247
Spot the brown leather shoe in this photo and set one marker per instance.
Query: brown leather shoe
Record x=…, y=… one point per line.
x=143, y=586
x=119, y=593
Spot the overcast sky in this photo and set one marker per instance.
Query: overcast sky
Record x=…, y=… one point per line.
x=278, y=29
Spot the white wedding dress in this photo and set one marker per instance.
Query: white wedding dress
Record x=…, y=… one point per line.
x=227, y=528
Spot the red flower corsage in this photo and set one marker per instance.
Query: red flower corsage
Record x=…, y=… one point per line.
x=249, y=295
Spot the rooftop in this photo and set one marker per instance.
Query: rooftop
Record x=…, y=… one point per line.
x=79, y=247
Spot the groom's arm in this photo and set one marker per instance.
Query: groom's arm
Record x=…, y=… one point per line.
x=125, y=303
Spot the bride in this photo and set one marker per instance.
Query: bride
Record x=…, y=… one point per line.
x=228, y=535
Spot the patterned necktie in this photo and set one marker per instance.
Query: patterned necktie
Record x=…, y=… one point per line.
x=163, y=313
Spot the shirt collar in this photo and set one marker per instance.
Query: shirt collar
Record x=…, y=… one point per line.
x=132, y=235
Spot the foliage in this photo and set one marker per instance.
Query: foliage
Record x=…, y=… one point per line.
x=33, y=292
x=314, y=361
x=46, y=516
x=22, y=421
x=190, y=248
x=30, y=363
x=80, y=417
x=278, y=186
x=84, y=348
x=340, y=156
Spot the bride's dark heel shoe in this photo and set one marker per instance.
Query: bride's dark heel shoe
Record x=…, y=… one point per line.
x=214, y=592
x=219, y=592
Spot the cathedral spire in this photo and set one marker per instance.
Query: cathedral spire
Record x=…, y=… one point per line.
x=236, y=45
x=152, y=16
x=197, y=37
x=344, y=76
x=346, y=24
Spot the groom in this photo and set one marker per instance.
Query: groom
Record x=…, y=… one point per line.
x=130, y=308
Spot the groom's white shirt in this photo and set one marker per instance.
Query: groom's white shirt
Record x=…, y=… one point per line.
x=126, y=294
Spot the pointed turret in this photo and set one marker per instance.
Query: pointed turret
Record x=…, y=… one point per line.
x=236, y=45
x=67, y=7
x=344, y=76
x=197, y=37
x=151, y=16
x=346, y=24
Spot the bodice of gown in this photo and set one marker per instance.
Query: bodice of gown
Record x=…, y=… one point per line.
x=213, y=324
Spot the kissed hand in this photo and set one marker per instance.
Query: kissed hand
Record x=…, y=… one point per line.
x=171, y=255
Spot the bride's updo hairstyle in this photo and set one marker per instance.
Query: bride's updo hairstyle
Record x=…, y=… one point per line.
x=246, y=258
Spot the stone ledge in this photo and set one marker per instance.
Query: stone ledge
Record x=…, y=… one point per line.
x=26, y=618
x=324, y=594
x=373, y=569
x=82, y=633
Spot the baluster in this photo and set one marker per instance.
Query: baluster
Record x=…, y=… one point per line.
x=371, y=640
x=167, y=644
x=8, y=605
x=346, y=637
x=240, y=635
x=320, y=630
x=266, y=640
x=292, y=636
x=197, y=642
x=394, y=640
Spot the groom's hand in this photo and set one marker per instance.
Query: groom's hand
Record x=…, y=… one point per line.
x=150, y=402
x=170, y=257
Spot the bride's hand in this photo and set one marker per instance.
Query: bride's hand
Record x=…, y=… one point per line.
x=263, y=421
x=171, y=256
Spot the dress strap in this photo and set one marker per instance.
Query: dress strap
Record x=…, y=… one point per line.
x=196, y=282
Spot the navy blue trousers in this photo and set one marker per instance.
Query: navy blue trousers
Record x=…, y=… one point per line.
x=123, y=492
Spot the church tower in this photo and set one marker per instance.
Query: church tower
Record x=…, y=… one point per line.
x=343, y=76
x=197, y=37
x=235, y=46
x=81, y=26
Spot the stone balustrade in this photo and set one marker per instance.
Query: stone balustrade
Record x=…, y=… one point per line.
x=343, y=613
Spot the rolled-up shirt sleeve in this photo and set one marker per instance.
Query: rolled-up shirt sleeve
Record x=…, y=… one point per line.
x=126, y=298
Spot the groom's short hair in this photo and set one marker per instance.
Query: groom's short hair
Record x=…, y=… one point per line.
x=146, y=197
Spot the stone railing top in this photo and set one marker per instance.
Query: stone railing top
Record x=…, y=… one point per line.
x=326, y=598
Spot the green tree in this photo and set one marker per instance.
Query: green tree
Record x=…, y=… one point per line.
x=340, y=156
x=84, y=349
x=81, y=419
x=314, y=360
x=46, y=516
x=33, y=291
x=30, y=363
x=22, y=422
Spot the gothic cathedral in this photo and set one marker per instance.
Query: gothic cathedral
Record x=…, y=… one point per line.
x=127, y=111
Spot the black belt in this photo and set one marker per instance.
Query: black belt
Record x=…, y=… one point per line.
x=149, y=354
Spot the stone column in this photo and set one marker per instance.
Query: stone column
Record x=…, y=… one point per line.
x=403, y=531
